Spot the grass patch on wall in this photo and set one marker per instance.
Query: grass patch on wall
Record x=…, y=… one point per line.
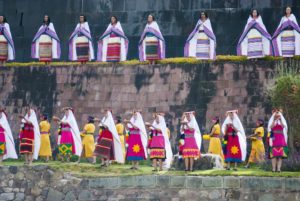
x=175, y=60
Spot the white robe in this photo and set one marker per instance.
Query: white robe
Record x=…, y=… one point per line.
x=9, y=139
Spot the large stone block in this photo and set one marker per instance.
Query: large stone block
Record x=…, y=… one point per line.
x=162, y=181
x=194, y=182
x=104, y=183
x=145, y=181
x=292, y=184
x=178, y=182
x=232, y=182
x=212, y=182
x=54, y=195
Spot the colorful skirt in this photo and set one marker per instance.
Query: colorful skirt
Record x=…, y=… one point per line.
x=203, y=46
x=2, y=143
x=45, y=149
x=27, y=141
x=255, y=45
x=279, y=147
x=233, y=150
x=88, y=144
x=3, y=48
x=66, y=146
x=152, y=48
x=135, y=150
x=157, y=148
x=45, y=48
x=288, y=43
x=257, y=154
x=215, y=146
x=190, y=149
x=105, y=146
x=82, y=49
x=113, y=49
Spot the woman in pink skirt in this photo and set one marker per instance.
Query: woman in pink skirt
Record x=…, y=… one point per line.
x=137, y=141
x=69, y=140
x=277, y=127
x=192, y=140
x=7, y=144
x=159, y=143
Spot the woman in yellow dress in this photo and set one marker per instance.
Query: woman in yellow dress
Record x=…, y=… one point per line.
x=257, y=154
x=88, y=142
x=45, y=150
x=120, y=130
x=215, y=146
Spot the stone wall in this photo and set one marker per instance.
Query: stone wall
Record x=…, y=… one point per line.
x=176, y=18
x=42, y=183
x=208, y=88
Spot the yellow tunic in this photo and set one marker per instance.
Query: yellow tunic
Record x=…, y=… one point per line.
x=215, y=146
x=45, y=149
x=88, y=142
x=168, y=132
x=120, y=130
x=257, y=154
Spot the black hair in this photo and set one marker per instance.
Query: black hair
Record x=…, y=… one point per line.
x=119, y=119
x=252, y=12
x=84, y=18
x=45, y=117
x=217, y=119
x=286, y=8
x=261, y=122
x=205, y=13
x=115, y=18
x=48, y=22
x=4, y=18
x=152, y=17
x=91, y=120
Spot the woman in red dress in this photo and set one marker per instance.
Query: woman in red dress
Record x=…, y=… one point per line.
x=30, y=136
x=235, y=140
x=109, y=145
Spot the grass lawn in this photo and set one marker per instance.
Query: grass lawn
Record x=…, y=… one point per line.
x=89, y=170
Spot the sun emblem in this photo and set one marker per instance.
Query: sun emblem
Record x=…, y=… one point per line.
x=234, y=150
x=136, y=148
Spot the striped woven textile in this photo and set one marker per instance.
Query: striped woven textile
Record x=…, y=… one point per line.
x=288, y=43
x=3, y=48
x=255, y=45
x=152, y=45
x=82, y=49
x=45, y=48
x=113, y=49
x=203, y=46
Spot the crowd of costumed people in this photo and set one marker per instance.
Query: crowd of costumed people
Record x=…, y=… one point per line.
x=135, y=140
x=255, y=41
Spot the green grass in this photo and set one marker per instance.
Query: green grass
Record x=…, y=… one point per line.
x=175, y=60
x=90, y=170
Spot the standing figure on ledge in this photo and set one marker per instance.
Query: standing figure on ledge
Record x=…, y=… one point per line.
x=30, y=139
x=286, y=39
x=88, y=142
x=80, y=43
x=121, y=132
x=152, y=42
x=278, y=141
x=113, y=44
x=7, y=144
x=235, y=140
x=215, y=146
x=46, y=45
x=201, y=43
x=137, y=141
x=160, y=147
x=45, y=150
x=192, y=140
x=7, y=48
x=69, y=140
x=255, y=42
x=257, y=154
x=109, y=146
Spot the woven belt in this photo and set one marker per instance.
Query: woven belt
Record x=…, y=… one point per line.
x=65, y=129
x=43, y=133
x=216, y=135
